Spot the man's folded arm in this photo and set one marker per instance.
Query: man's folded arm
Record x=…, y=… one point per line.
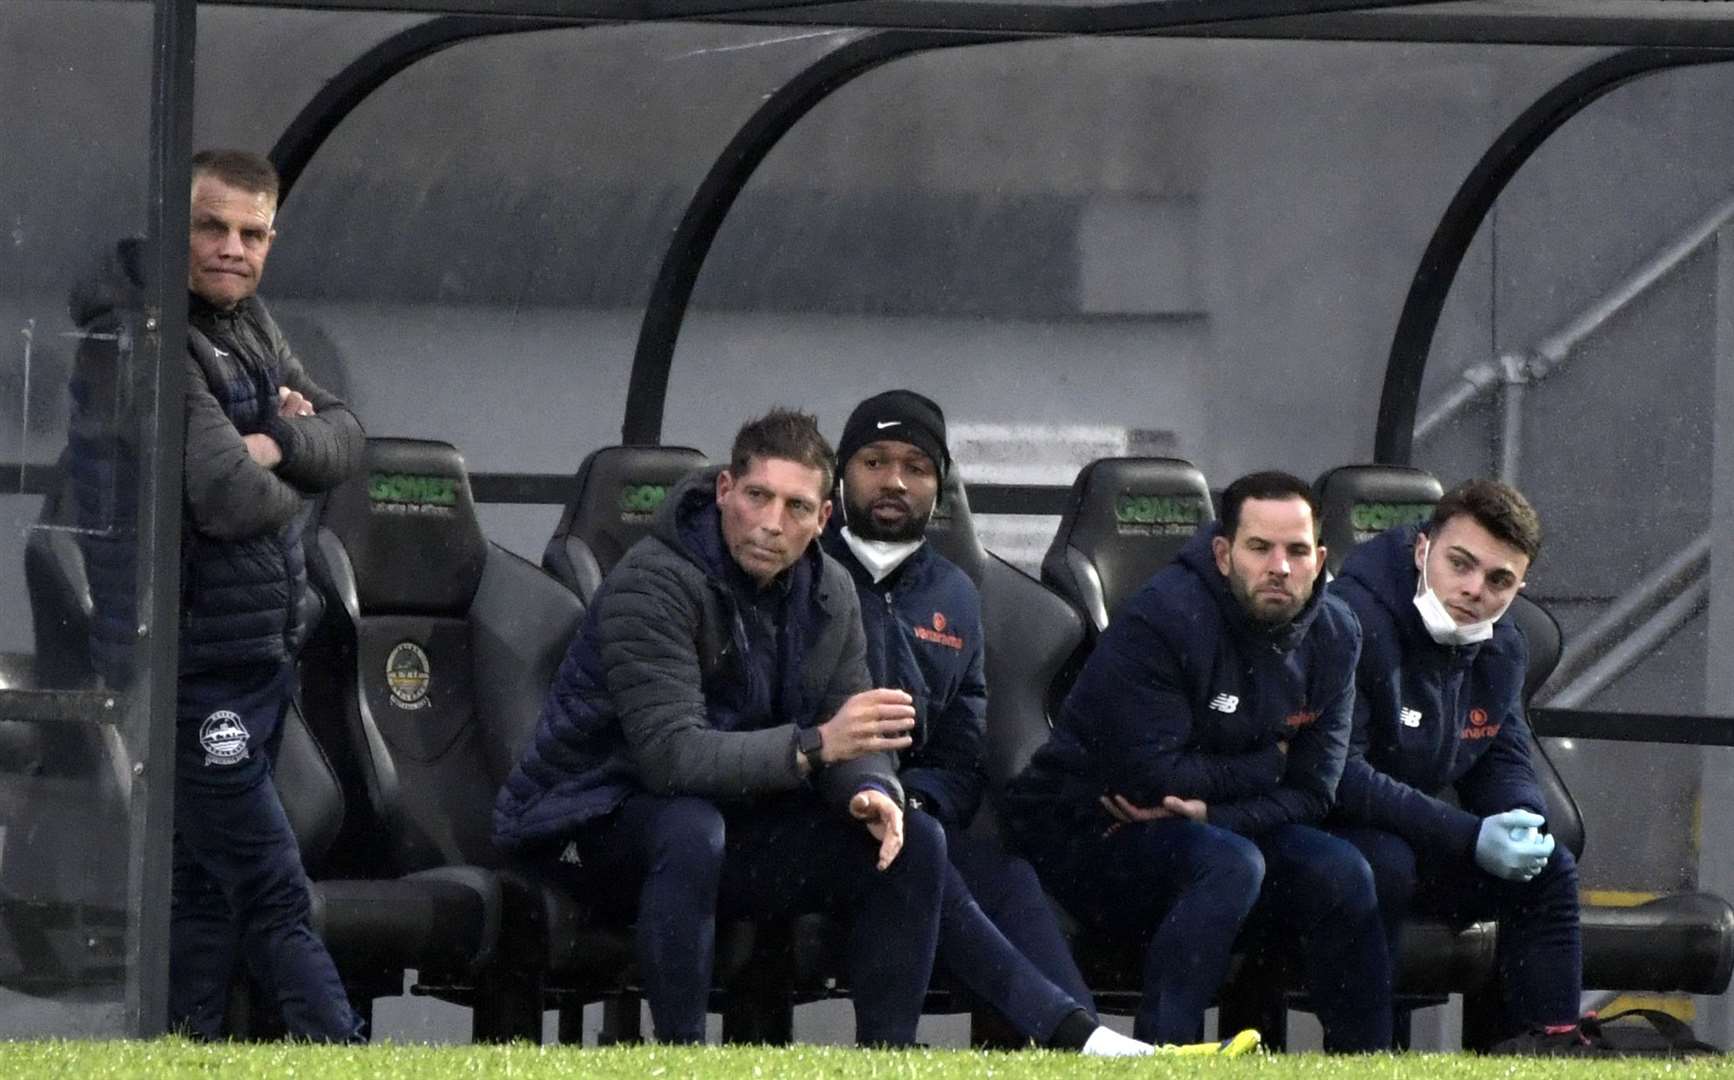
x=228, y=495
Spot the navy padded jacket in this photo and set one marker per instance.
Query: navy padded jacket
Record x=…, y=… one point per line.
x=1184, y=695
x=1427, y=716
x=924, y=636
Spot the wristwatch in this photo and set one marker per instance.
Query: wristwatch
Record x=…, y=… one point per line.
x=811, y=745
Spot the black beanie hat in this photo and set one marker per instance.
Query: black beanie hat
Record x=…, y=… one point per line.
x=900, y=416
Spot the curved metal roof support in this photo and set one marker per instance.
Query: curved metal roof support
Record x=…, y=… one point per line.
x=373, y=69
x=647, y=393
x=1393, y=441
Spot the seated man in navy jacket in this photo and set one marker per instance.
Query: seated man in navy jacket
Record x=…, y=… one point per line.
x=1203, y=740
x=712, y=743
x=1438, y=708
x=924, y=635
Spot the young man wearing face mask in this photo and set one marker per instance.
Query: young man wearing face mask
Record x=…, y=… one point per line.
x=1439, y=706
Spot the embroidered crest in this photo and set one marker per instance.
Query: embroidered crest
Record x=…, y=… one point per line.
x=224, y=738
x=407, y=675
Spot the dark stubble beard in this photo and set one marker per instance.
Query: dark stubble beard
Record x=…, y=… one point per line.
x=1242, y=590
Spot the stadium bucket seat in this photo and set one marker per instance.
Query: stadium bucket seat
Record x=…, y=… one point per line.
x=619, y=490
x=1125, y=519
x=429, y=669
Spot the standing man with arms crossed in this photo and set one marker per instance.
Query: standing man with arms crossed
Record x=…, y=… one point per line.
x=1439, y=706
x=922, y=615
x=1203, y=738
x=712, y=743
x=261, y=436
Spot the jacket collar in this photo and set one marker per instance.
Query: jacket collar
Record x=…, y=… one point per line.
x=835, y=546
x=204, y=313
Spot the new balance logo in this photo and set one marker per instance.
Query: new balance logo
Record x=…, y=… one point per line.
x=1410, y=717
x=1225, y=703
x=570, y=855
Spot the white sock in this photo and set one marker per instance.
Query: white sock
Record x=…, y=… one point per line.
x=1106, y=1042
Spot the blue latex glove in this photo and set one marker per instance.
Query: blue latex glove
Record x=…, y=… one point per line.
x=1510, y=847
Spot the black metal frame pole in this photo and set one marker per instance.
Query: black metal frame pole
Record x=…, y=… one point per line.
x=151, y=716
x=373, y=69
x=647, y=393
x=1393, y=441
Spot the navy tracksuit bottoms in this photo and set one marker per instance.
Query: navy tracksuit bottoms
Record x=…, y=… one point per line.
x=239, y=892
x=674, y=863
x=1189, y=888
x=999, y=939
x=1540, y=947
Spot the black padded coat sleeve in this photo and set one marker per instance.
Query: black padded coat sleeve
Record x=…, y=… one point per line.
x=319, y=451
x=228, y=495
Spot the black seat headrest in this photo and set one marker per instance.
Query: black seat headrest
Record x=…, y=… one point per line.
x=1358, y=502
x=951, y=530
x=409, y=527
x=1542, y=635
x=1125, y=519
x=619, y=490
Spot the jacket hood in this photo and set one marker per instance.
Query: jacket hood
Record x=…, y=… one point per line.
x=114, y=285
x=1198, y=558
x=681, y=523
x=1385, y=567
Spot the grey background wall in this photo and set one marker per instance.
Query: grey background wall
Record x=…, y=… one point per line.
x=1208, y=240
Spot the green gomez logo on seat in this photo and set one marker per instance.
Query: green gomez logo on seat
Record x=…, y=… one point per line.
x=1369, y=519
x=1158, y=515
x=641, y=500
x=411, y=493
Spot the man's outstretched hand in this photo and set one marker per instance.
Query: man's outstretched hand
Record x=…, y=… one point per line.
x=883, y=818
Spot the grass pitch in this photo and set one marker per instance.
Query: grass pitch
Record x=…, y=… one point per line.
x=174, y=1057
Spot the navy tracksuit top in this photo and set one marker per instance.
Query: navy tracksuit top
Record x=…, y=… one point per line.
x=1427, y=716
x=1184, y=695
x=924, y=636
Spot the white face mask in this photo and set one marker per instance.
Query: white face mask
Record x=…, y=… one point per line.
x=880, y=557
x=1441, y=627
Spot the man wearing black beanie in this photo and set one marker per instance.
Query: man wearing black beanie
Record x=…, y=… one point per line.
x=922, y=616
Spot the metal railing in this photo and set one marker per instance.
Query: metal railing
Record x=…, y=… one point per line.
x=1663, y=601
x=1644, y=616
x=1517, y=370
